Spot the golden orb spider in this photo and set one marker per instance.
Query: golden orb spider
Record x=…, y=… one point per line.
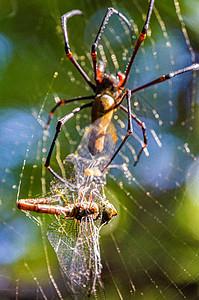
x=108, y=89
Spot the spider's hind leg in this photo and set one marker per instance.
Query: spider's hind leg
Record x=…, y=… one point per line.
x=129, y=128
x=143, y=127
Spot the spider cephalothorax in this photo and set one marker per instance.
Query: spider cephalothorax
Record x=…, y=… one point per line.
x=108, y=84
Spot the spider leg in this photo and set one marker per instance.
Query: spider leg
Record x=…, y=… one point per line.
x=105, y=20
x=193, y=67
x=143, y=127
x=141, y=38
x=120, y=99
x=62, y=102
x=58, y=129
x=69, y=54
x=129, y=128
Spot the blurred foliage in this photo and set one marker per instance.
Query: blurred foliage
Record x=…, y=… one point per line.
x=158, y=235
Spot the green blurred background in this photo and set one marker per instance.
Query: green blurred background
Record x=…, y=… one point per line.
x=153, y=243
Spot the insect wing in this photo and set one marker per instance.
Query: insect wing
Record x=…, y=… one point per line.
x=92, y=132
x=83, y=159
x=77, y=247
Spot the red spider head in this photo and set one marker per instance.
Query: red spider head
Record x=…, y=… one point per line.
x=108, y=83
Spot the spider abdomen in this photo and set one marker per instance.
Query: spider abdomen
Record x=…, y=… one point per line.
x=102, y=113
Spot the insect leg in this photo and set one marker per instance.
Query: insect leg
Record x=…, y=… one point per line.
x=129, y=128
x=58, y=129
x=105, y=20
x=69, y=54
x=62, y=102
x=141, y=38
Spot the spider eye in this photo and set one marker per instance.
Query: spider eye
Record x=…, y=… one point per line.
x=113, y=77
x=101, y=66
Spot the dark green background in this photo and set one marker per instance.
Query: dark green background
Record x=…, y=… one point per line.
x=157, y=234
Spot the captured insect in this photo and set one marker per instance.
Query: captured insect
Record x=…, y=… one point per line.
x=75, y=237
x=109, y=90
x=80, y=209
x=76, y=244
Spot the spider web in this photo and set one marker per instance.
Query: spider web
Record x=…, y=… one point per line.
x=150, y=250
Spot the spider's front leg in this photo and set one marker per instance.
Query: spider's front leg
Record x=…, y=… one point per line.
x=58, y=129
x=105, y=20
x=141, y=38
x=69, y=54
